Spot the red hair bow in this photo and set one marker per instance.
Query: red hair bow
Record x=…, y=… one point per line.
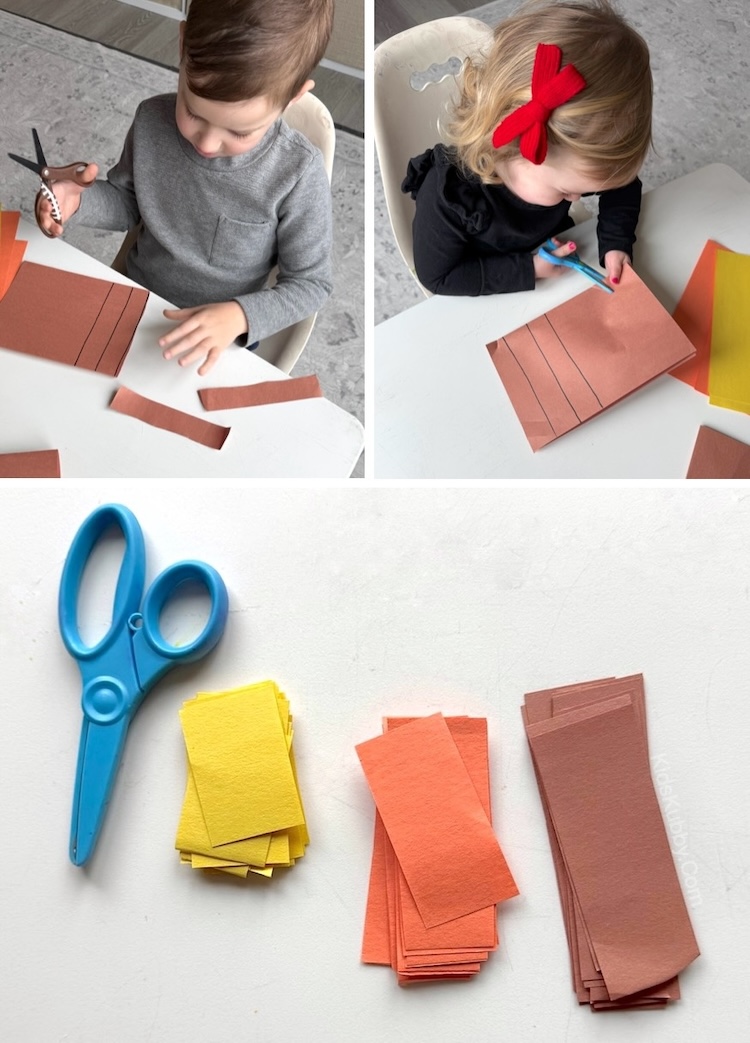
x=551, y=86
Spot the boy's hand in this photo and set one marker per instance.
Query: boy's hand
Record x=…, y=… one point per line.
x=204, y=333
x=545, y=269
x=614, y=262
x=68, y=195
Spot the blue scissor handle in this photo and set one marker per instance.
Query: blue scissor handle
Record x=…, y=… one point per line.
x=575, y=262
x=129, y=582
x=153, y=655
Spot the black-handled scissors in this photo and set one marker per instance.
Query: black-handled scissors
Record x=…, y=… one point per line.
x=48, y=175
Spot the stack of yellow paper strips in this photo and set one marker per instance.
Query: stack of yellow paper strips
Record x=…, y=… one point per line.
x=242, y=810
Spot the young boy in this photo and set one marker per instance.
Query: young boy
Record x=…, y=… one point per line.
x=222, y=187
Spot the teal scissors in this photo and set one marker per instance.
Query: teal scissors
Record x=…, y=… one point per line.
x=574, y=261
x=119, y=670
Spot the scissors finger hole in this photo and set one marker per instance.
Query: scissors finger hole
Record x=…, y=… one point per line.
x=96, y=595
x=184, y=616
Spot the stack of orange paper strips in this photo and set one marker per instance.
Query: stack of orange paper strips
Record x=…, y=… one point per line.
x=437, y=869
x=627, y=924
x=714, y=313
x=242, y=811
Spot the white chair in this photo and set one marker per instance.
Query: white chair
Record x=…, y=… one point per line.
x=310, y=117
x=415, y=78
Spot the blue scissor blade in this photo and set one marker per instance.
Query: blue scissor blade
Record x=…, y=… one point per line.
x=99, y=757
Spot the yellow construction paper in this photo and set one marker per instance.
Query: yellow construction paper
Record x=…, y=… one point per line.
x=240, y=761
x=729, y=374
x=224, y=731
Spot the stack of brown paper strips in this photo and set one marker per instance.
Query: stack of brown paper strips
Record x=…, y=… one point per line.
x=627, y=925
x=437, y=869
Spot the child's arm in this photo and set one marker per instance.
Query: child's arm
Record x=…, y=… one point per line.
x=619, y=209
x=447, y=260
x=112, y=203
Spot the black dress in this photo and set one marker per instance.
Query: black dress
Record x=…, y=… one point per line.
x=471, y=238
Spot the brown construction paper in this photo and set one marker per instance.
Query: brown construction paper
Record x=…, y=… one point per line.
x=70, y=318
x=41, y=463
x=558, y=723
x=716, y=455
x=580, y=358
x=262, y=394
x=158, y=415
x=694, y=314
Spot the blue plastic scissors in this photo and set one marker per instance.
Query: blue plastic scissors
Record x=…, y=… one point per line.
x=574, y=261
x=119, y=670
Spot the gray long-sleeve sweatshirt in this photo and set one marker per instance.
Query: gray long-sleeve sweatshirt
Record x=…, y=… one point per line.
x=212, y=229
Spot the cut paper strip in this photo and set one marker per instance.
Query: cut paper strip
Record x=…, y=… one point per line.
x=627, y=925
x=395, y=932
x=729, y=379
x=168, y=419
x=716, y=455
x=580, y=358
x=694, y=315
x=262, y=394
x=11, y=249
x=70, y=318
x=242, y=810
x=41, y=463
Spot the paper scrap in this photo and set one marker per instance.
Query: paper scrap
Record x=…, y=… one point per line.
x=40, y=463
x=261, y=394
x=440, y=832
x=11, y=249
x=729, y=378
x=570, y=364
x=626, y=921
x=70, y=318
x=242, y=810
x=717, y=455
x=168, y=419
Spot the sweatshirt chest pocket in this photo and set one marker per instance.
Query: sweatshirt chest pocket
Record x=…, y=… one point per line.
x=246, y=245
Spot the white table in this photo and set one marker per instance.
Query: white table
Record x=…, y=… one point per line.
x=441, y=410
x=48, y=405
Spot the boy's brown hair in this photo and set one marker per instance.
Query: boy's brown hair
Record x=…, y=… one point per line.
x=234, y=50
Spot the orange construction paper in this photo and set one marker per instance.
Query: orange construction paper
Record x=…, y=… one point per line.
x=42, y=463
x=11, y=249
x=435, y=822
x=262, y=394
x=694, y=314
x=580, y=358
x=70, y=318
x=628, y=928
x=158, y=415
x=716, y=455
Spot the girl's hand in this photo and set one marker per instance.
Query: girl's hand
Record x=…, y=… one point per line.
x=68, y=195
x=203, y=333
x=545, y=269
x=614, y=262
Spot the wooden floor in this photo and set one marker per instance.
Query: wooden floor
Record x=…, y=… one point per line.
x=393, y=16
x=156, y=38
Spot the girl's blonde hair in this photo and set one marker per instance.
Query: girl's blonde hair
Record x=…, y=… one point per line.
x=607, y=127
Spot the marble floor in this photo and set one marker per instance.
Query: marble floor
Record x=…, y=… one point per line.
x=700, y=61
x=81, y=97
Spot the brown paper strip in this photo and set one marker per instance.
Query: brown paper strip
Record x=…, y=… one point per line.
x=158, y=415
x=265, y=393
x=716, y=455
x=42, y=463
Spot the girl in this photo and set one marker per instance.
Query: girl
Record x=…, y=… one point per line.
x=558, y=108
